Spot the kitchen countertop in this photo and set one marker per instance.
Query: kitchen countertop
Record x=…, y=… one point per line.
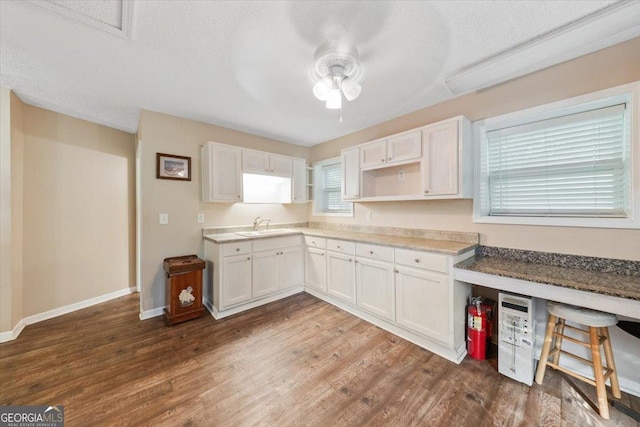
x=446, y=247
x=605, y=283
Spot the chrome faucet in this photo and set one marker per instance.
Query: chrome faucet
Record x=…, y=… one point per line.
x=258, y=221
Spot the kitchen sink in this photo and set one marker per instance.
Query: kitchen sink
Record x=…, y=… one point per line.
x=273, y=232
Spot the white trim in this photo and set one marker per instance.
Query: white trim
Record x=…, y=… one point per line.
x=12, y=335
x=148, y=314
x=605, y=27
x=126, y=17
x=606, y=303
x=30, y=320
x=630, y=92
x=138, y=173
x=316, y=166
x=253, y=304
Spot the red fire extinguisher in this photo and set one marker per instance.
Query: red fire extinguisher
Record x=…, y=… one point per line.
x=477, y=320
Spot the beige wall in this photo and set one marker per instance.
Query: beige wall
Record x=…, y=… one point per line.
x=161, y=133
x=78, y=210
x=611, y=67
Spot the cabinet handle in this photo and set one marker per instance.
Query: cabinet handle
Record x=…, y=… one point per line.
x=271, y=170
x=417, y=260
x=396, y=271
x=350, y=260
x=356, y=261
x=237, y=249
x=322, y=254
x=248, y=258
x=389, y=159
x=370, y=252
x=338, y=246
x=382, y=160
x=426, y=191
x=238, y=196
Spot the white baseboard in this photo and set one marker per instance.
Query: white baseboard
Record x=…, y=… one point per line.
x=13, y=334
x=30, y=320
x=154, y=312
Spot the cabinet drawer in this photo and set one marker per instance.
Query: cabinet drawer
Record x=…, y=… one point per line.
x=421, y=259
x=315, y=242
x=341, y=246
x=382, y=253
x=266, y=244
x=237, y=248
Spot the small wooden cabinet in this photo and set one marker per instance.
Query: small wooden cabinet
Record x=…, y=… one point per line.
x=183, y=288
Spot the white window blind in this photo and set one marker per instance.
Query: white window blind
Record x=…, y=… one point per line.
x=575, y=165
x=332, y=203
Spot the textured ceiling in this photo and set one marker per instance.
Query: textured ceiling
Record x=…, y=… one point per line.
x=246, y=64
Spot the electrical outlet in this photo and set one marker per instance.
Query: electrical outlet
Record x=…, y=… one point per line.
x=164, y=218
x=200, y=218
x=401, y=175
x=369, y=216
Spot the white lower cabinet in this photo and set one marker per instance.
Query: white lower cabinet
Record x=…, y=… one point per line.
x=410, y=293
x=341, y=276
x=316, y=269
x=374, y=287
x=290, y=267
x=422, y=302
x=245, y=274
x=236, y=280
x=265, y=273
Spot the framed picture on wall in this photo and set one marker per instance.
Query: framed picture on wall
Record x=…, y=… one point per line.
x=169, y=166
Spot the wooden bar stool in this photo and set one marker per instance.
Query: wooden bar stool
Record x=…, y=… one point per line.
x=598, y=333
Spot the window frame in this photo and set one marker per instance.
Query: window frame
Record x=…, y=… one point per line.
x=629, y=93
x=318, y=189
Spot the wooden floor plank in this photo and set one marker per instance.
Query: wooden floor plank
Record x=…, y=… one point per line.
x=297, y=361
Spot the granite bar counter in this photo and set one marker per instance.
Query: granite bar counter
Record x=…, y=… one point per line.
x=597, y=278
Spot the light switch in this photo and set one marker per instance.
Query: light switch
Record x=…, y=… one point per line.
x=200, y=218
x=164, y=218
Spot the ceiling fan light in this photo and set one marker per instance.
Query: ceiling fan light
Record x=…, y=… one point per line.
x=350, y=88
x=322, y=89
x=334, y=101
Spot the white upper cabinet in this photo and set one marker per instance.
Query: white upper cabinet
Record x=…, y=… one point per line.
x=373, y=154
x=350, y=163
x=221, y=173
x=441, y=159
x=264, y=163
x=399, y=148
x=299, y=181
x=431, y=162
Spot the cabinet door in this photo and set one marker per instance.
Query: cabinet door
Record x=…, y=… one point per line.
x=299, y=194
x=404, y=147
x=316, y=269
x=265, y=273
x=350, y=164
x=440, y=166
x=375, y=286
x=255, y=162
x=290, y=267
x=225, y=173
x=373, y=154
x=236, y=280
x=280, y=165
x=341, y=276
x=422, y=302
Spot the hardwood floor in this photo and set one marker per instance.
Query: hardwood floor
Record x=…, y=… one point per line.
x=295, y=362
